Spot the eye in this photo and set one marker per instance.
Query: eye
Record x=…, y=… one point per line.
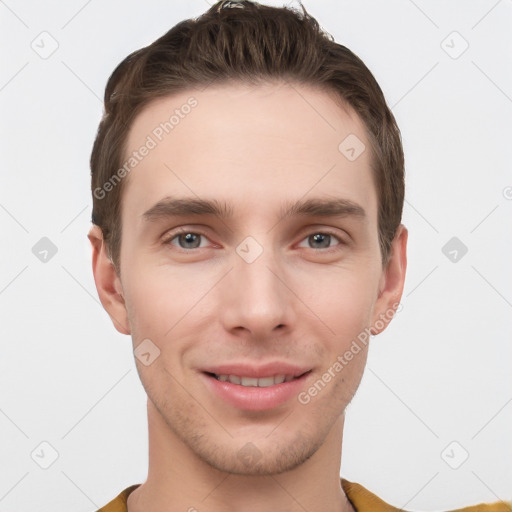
x=186, y=239
x=322, y=240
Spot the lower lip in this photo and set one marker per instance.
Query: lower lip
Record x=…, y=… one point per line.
x=252, y=398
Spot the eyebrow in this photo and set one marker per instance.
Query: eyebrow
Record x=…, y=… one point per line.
x=317, y=207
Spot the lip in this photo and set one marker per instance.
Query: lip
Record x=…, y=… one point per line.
x=251, y=398
x=258, y=372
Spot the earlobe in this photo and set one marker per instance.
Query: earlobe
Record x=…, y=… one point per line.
x=108, y=283
x=391, y=284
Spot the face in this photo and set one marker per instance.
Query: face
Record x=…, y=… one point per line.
x=250, y=256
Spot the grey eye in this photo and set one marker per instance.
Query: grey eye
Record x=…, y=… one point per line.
x=188, y=240
x=320, y=238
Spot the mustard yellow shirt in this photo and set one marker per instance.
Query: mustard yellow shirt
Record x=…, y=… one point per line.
x=361, y=498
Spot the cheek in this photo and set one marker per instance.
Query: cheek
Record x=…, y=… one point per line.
x=170, y=307
x=345, y=304
x=154, y=304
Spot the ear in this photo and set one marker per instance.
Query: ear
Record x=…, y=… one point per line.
x=391, y=283
x=108, y=283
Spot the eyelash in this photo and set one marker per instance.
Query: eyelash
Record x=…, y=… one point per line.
x=182, y=231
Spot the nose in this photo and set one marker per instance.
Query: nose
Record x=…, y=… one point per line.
x=255, y=297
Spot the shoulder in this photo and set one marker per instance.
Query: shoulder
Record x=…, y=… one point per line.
x=361, y=498
x=364, y=501
x=118, y=504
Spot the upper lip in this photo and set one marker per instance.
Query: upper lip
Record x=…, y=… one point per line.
x=259, y=372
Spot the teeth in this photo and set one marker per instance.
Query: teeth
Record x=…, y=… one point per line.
x=249, y=381
x=254, y=382
x=265, y=382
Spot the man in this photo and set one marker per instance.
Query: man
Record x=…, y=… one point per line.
x=248, y=185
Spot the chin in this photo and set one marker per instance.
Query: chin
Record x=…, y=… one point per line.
x=246, y=450
x=265, y=457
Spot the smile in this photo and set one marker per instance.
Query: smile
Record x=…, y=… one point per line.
x=263, y=382
x=252, y=388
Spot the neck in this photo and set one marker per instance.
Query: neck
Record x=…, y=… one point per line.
x=178, y=480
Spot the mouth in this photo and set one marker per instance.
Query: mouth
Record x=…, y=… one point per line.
x=263, y=382
x=256, y=389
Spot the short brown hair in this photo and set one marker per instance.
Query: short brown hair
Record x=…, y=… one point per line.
x=252, y=44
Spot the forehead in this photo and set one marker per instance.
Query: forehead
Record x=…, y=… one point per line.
x=263, y=143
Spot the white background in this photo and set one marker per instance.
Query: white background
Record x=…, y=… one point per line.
x=440, y=373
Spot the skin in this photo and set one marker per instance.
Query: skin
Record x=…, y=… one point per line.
x=302, y=301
